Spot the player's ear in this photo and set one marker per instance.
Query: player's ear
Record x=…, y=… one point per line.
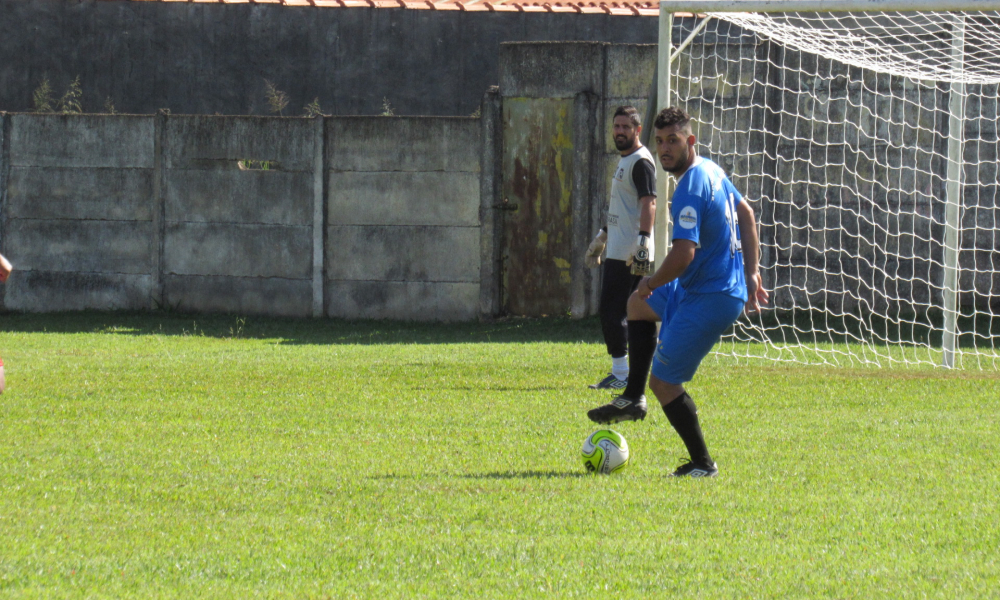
x=692, y=140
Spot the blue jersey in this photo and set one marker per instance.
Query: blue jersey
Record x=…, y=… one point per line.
x=703, y=208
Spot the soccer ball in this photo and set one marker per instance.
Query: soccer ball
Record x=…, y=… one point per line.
x=605, y=451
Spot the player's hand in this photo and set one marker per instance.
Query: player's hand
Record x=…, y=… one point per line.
x=639, y=257
x=757, y=296
x=596, y=249
x=5, y=269
x=643, y=289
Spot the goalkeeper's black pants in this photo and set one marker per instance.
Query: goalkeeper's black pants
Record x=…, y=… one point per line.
x=617, y=284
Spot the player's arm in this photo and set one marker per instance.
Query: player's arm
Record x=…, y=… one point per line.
x=756, y=294
x=676, y=262
x=644, y=179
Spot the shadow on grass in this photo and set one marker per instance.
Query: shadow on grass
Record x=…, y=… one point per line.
x=307, y=331
x=805, y=327
x=528, y=475
x=503, y=475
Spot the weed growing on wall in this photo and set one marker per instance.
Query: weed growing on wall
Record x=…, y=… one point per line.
x=252, y=164
x=41, y=100
x=277, y=100
x=387, y=110
x=69, y=104
x=109, y=106
x=313, y=109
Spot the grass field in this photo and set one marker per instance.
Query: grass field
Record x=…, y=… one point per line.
x=217, y=457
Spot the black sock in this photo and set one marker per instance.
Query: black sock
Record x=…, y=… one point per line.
x=683, y=415
x=641, y=346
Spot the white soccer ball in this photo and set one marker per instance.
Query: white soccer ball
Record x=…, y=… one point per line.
x=605, y=451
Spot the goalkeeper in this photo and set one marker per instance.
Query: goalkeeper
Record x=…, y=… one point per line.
x=627, y=240
x=709, y=276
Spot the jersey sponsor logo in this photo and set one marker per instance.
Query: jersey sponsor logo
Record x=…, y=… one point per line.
x=612, y=219
x=620, y=174
x=688, y=217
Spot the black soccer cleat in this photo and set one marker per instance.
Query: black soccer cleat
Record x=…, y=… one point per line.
x=618, y=410
x=610, y=383
x=693, y=469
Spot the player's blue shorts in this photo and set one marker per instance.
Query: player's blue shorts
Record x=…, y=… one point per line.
x=691, y=325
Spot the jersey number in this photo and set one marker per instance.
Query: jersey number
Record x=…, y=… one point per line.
x=734, y=231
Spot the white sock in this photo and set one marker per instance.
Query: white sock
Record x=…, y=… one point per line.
x=619, y=367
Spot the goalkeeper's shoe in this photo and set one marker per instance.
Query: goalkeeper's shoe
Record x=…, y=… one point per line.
x=618, y=410
x=693, y=469
x=610, y=383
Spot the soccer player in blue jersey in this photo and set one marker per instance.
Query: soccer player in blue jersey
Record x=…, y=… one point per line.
x=709, y=276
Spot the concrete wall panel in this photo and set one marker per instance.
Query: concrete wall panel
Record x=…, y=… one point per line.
x=238, y=250
x=426, y=254
x=195, y=142
x=426, y=198
x=81, y=141
x=240, y=295
x=235, y=196
x=58, y=193
x=66, y=245
x=411, y=301
x=47, y=291
x=403, y=144
x=551, y=70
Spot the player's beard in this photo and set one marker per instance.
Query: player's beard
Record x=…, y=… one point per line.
x=677, y=165
x=623, y=143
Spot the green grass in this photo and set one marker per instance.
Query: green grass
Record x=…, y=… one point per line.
x=216, y=457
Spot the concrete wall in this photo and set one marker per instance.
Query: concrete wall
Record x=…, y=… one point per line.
x=77, y=211
x=351, y=217
x=204, y=58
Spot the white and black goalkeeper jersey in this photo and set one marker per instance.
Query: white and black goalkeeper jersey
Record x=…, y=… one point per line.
x=634, y=178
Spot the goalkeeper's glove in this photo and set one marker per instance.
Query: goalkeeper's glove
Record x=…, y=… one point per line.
x=639, y=259
x=596, y=249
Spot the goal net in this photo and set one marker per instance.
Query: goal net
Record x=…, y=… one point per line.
x=867, y=143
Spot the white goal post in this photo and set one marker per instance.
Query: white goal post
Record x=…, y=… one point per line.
x=865, y=133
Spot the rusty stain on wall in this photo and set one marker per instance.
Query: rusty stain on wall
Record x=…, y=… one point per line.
x=538, y=159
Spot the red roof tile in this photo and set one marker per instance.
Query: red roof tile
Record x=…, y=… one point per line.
x=645, y=8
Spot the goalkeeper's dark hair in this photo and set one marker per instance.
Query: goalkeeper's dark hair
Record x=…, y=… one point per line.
x=631, y=113
x=672, y=116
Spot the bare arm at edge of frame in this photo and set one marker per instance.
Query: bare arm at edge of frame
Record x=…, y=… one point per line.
x=756, y=294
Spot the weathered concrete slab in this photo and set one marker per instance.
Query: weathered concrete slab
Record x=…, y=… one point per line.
x=409, y=301
x=48, y=291
x=241, y=295
x=551, y=69
x=631, y=68
x=235, y=196
x=403, y=144
x=82, y=141
x=95, y=193
x=403, y=254
x=238, y=250
x=203, y=142
x=67, y=245
x=428, y=198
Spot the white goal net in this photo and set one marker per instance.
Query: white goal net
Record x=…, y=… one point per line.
x=867, y=143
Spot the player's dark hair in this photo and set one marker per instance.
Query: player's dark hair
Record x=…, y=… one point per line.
x=630, y=112
x=671, y=116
